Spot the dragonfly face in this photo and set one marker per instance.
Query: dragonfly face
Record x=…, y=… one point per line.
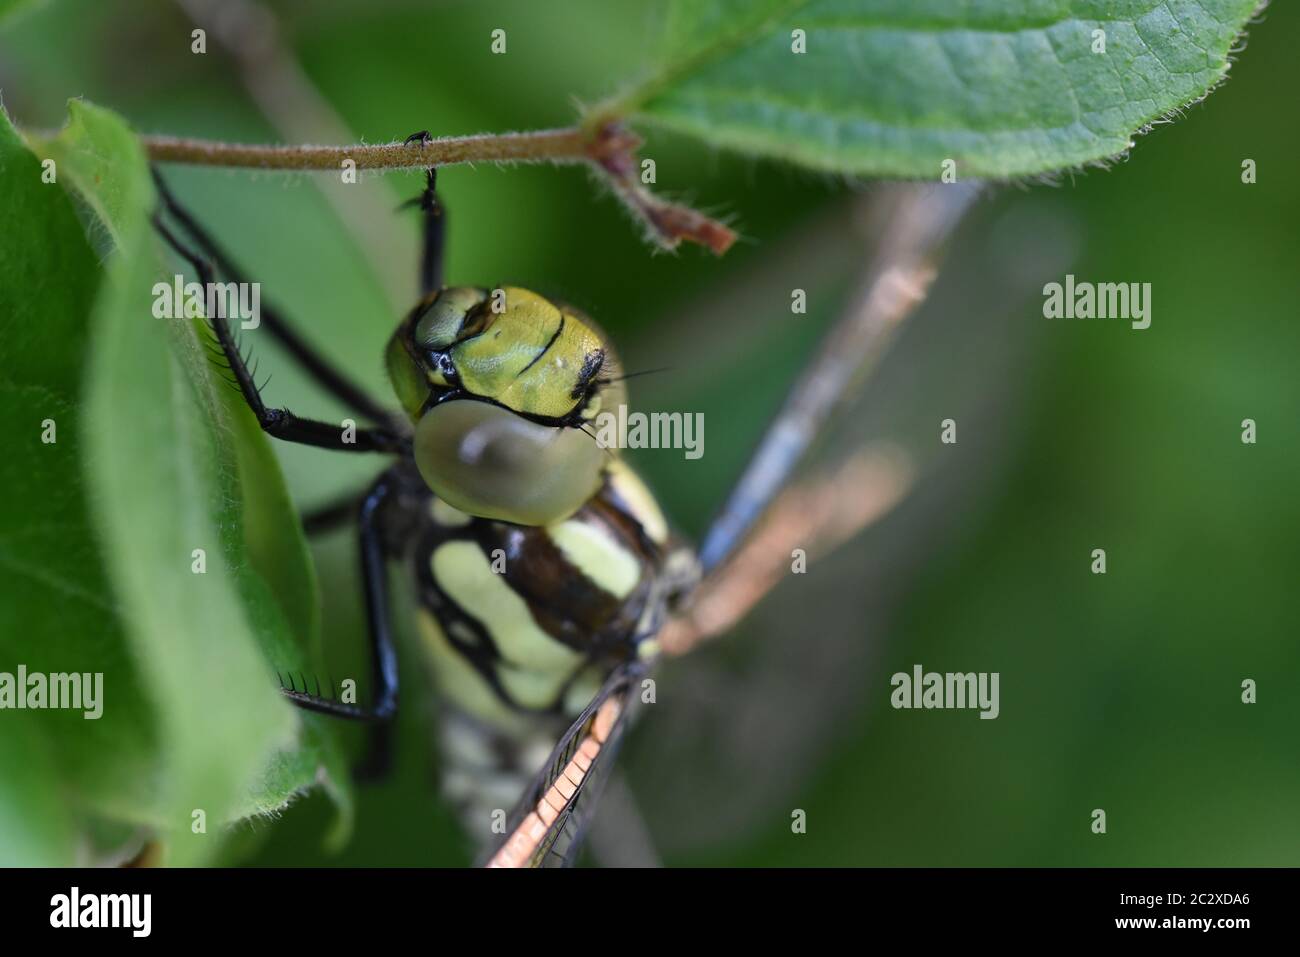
x=500, y=384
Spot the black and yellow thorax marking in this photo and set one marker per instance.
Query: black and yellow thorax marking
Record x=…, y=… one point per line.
x=519, y=620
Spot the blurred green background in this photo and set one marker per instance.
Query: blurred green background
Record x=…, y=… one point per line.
x=1119, y=692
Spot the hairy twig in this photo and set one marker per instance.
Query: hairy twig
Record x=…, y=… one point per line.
x=567, y=145
x=609, y=148
x=668, y=222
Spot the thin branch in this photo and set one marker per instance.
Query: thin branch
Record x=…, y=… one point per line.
x=566, y=145
x=609, y=149
x=818, y=515
x=916, y=220
x=748, y=548
x=667, y=222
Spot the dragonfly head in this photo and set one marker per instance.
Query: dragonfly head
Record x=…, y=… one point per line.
x=502, y=385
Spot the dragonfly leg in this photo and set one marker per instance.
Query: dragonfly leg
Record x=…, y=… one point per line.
x=383, y=655
x=322, y=371
x=435, y=222
x=281, y=423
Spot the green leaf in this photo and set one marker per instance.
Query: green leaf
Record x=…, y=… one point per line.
x=57, y=610
x=36, y=826
x=896, y=87
x=172, y=462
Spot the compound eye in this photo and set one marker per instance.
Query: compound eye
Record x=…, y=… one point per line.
x=487, y=461
x=444, y=319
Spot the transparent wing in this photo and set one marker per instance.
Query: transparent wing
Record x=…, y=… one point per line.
x=547, y=827
x=753, y=716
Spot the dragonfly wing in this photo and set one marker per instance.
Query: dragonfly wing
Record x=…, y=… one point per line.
x=550, y=822
x=723, y=761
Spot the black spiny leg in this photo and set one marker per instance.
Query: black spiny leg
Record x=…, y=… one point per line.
x=435, y=222
x=435, y=225
x=280, y=423
x=383, y=656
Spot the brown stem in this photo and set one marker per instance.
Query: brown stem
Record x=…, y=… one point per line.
x=817, y=515
x=567, y=145
x=608, y=147
x=748, y=549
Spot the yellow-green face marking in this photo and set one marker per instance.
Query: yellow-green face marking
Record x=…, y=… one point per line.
x=509, y=346
x=500, y=382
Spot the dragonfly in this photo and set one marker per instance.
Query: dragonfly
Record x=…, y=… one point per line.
x=547, y=581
